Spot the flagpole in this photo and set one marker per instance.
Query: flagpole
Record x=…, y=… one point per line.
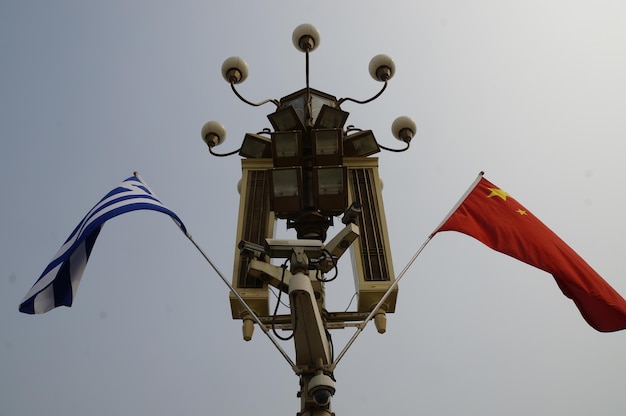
x=458, y=204
x=234, y=291
x=244, y=304
x=380, y=302
x=401, y=275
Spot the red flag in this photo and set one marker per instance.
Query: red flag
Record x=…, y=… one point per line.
x=491, y=216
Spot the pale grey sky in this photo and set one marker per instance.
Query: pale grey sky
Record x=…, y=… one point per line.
x=533, y=93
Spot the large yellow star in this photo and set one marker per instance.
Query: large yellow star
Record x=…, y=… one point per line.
x=497, y=192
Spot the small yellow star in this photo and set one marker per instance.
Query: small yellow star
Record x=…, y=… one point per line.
x=521, y=212
x=497, y=192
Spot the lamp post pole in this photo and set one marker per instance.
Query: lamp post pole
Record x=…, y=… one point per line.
x=308, y=170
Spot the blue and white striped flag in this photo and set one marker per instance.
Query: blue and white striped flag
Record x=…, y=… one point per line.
x=58, y=283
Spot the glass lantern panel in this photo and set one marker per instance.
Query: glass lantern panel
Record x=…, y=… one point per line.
x=285, y=182
x=330, y=181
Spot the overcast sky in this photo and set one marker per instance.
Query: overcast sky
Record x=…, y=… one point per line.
x=531, y=92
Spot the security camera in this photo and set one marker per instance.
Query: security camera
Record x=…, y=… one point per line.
x=352, y=213
x=321, y=388
x=338, y=246
x=252, y=250
x=283, y=248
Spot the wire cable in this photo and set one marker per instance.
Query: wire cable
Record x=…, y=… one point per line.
x=278, y=302
x=351, y=299
x=278, y=298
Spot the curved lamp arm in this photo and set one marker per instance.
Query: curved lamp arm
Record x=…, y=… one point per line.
x=275, y=102
x=364, y=101
x=395, y=150
x=223, y=154
x=381, y=68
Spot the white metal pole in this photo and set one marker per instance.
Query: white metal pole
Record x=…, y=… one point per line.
x=401, y=275
x=255, y=318
x=380, y=302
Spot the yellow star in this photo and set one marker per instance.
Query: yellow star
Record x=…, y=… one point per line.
x=497, y=192
x=521, y=212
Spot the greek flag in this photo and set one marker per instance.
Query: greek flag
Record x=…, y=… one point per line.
x=59, y=281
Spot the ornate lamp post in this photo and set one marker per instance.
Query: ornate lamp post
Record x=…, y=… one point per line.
x=308, y=170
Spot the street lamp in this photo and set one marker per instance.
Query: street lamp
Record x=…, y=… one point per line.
x=308, y=170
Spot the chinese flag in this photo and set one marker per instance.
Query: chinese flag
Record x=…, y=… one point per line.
x=491, y=216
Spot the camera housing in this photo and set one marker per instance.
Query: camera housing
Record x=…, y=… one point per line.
x=284, y=248
x=251, y=250
x=321, y=389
